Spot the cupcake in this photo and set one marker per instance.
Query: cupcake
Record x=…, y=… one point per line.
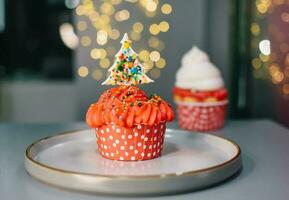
x=129, y=125
x=199, y=93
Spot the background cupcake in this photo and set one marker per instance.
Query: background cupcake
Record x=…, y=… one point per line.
x=129, y=125
x=199, y=93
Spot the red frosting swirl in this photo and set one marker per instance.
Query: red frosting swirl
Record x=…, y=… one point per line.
x=128, y=106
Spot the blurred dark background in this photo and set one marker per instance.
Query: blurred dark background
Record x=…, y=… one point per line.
x=30, y=42
x=54, y=54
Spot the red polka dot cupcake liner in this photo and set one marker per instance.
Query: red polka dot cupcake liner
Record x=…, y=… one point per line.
x=202, y=116
x=141, y=142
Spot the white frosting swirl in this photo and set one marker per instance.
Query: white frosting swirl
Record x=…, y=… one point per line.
x=198, y=73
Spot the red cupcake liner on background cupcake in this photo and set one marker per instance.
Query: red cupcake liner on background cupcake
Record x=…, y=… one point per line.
x=203, y=116
x=141, y=142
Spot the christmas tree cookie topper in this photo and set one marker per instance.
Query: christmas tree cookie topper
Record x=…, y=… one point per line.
x=126, y=70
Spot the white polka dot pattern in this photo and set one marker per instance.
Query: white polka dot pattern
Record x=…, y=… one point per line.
x=201, y=118
x=141, y=142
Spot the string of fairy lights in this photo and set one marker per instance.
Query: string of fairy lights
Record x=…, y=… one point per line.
x=271, y=59
x=107, y=17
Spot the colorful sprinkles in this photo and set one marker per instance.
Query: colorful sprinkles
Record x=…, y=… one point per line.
x=126, y=70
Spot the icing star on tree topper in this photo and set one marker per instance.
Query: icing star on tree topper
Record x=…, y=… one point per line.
x=126, y=70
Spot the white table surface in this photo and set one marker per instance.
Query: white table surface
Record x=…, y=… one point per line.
x=265, y=174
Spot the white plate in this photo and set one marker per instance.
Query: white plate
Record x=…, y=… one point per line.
x=189, y=161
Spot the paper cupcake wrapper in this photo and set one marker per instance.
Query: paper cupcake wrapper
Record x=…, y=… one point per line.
x=202, y=116
x=140, y=142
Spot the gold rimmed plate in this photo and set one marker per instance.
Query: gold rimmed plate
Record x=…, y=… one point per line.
x=189, y=161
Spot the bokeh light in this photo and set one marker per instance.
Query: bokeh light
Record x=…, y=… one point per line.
x=95, y=53
x=107, y=8
x=144, y=55
x=102, y=53
x=101, y=37
x=82, y=26
x=97, y=74
x=264, y=47
x=155, y=56
x=83, y=71
x=135, y=36
x=277, y=77
x=155, y=73
x=85, y=41
x=137, y=27
x=98, y=53
x=151, y=6
x=263, y=5
x=104, y=63
x=80, y=10
x=273, y=68
x=153, y=42
x=166, y=9
x=71, y=3
x=148, y=65
x=264, y=58
x=255, y=29
x=164, y=26
x=285, y=89
x=161, y=63
x=122, y=15
x=285, y=17
x=256, y=63
x=68, y=36
x=154, y=29
x=114, y=34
